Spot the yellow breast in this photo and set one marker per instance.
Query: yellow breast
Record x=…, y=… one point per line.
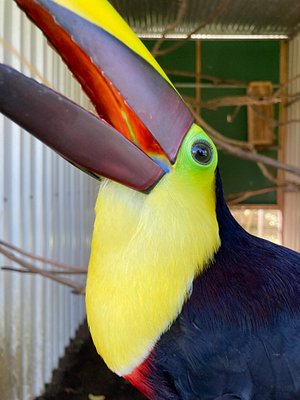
x=146, y=251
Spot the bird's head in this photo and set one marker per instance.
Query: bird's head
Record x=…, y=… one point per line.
x=160, y=165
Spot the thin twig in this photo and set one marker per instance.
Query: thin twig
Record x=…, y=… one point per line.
x=267, y=174
x=36, y=270
x=285, y=85
x=68, y=267
x=50, y=271
x=214, y=79
x=217, y=135
x=294, y=99
x=215, y=14
x=237, y=198
x=237, y=151
x=231, y=117
x=180, y=15
x=34, y=72
x=271, y=121
x=248, y=155
x=227, y=101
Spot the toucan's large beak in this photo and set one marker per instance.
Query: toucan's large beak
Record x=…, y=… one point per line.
x=79, y=136
x=126, y=85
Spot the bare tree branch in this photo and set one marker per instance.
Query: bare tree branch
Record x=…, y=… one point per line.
x=236, y=198
x=78, y=289
x=293, y=100
x=215, y=14
x=11, y=49
x=286, y=84
x=54, y=272
x=214, y=79
x=72, y=268
x=273, y=122
x=248, y=155
x=180, y=15
x=237, y=150
x=226, y=101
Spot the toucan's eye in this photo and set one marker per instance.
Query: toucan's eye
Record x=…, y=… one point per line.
x=202, y=152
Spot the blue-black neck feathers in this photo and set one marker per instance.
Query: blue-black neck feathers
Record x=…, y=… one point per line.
x=238, y=333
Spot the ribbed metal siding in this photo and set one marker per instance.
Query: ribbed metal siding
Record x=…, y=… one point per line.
x=46, y=207
x=291, y=217
x=238, y=17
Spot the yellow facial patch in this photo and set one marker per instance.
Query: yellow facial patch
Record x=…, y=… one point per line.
x=146, y=252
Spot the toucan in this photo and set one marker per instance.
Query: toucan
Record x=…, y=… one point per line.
x=181, y=301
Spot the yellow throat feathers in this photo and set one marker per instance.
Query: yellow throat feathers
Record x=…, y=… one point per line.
x=146, y=252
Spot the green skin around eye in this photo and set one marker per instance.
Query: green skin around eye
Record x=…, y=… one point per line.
x=185, y=159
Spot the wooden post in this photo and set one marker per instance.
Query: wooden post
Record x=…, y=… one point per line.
x=284, y=49
x=198, y=76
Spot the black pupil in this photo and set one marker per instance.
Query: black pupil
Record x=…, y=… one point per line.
x=202, y=152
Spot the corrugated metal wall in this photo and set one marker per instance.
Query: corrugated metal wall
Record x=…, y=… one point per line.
x=46, y=207
x=291, y=215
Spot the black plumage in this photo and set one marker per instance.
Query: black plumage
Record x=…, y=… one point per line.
x=237, y=336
